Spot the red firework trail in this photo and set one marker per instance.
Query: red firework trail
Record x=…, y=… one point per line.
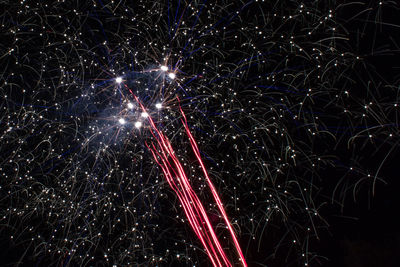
x=194, y=210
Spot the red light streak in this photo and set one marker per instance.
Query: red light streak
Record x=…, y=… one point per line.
x=175, y=175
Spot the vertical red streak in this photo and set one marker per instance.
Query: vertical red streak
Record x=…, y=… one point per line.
x=212, y=188
x=175, y=175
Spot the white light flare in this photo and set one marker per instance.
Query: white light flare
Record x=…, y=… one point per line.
x=164, y=68
x=130, y=105
x=118, y=80
x=138, y=124
x=172, y=75
x=158, y=105
x=122, y=121
x=144, y=114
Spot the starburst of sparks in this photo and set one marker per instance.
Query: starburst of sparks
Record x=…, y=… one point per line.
x=191, y=133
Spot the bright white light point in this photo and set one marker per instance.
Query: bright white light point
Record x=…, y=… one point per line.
x=130, y=105
x=164, y=68
x=145, y=114
x=122, y=121
x=172, y=75
x=138, y=124
x=118, y=80
x=158, y=105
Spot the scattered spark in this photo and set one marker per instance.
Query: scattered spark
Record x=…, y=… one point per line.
x=138, y=124
x=172, y=75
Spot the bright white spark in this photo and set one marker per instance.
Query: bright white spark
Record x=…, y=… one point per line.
x=172, y=75
x=118, y=80
x=164, y=68
x=122, y=121
x=138, y=124
x=144, y=114
x=130, y=105
x=158, y=105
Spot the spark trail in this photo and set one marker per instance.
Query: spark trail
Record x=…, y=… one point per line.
x=194, y=210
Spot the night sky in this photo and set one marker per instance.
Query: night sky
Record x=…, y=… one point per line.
x=199, y=133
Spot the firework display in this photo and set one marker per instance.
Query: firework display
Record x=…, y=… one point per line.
x=190, y=133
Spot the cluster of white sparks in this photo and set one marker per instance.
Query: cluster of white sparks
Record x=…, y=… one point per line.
x=138, y=124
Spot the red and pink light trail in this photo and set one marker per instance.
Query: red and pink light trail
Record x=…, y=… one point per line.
x=177, y=179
